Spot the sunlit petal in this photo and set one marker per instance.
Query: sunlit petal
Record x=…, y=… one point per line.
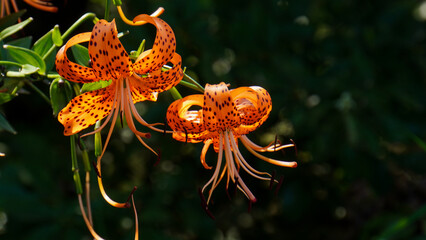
x=108, y=56
x=70, y=70
x=87, y=108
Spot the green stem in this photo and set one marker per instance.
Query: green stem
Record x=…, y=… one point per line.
x=85, y=156
x=190, y=85
x=106, y=17
x=198, y=87
x=83, y=18
x=29, y=83
x=74, y=166
x=175, y=93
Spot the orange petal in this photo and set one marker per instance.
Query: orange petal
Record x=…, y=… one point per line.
x=139, y=91
x=163, y=49
x=254, y=105
x=108, y=56
x=70, y=70
x=219, y=112
x=87, y=108
x=187, y=124
x=161, y=81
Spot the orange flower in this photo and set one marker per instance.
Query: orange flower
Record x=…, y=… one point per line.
x=131, y=82
x=225, y=116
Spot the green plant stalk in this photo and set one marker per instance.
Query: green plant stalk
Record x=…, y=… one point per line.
x=197, y=87
x=175, y=93
x=74, y=166
x=29, y=83
x=190, y=85
x=106, y=16
x=98, y=140
x=85, y=156
x=87, y=16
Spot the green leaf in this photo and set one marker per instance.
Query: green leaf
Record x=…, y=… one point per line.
x=43, y=44
x=26, y=56
x=14, y=28
x=56, y=36
x=60, y=94
x=5, y=97
x=81, y=54
x=50, y=60
x=4, y=124
x=95, y=86
x=25, y=70
x=24, y=42
x=10, y=19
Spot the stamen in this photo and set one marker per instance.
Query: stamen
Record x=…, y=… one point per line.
x=280, y=182
x=131, y=196
x=294, y=144
x=158, y=157
x=272, y=179
x=204, y=204
x=250, y=206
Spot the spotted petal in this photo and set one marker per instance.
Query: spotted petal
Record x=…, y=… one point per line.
x=109, y=58
x=70, y=70
x=219, y=112
x=163, y=49
x=254, y=105
x=187, y=124
x=87, y=108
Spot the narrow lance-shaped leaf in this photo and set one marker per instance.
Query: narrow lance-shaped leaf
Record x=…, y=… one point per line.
x=14, y=28
x=26, y=56
x=56, y=36
x=10, y=19
x=43, y=44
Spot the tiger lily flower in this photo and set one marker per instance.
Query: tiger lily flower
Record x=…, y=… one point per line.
x=131, y=82
x=225, y=116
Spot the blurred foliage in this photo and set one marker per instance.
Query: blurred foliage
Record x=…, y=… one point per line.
x=347, y=79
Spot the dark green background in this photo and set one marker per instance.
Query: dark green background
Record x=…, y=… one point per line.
x=348, y=84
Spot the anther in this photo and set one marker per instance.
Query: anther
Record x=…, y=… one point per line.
x=158, y=157
x=294, y=144
x=130, y=196
x=272, y=179
x=280, y=182
x=250, y=205
x=204, y=204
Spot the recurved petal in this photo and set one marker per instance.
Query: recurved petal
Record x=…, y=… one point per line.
x=187, y=124
x=109, y=58
x=254, y=105
x=87, y=108
x=70, y=70
x=163, y=49
x=219, y=111
x=139, y=91
x=160, y=81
